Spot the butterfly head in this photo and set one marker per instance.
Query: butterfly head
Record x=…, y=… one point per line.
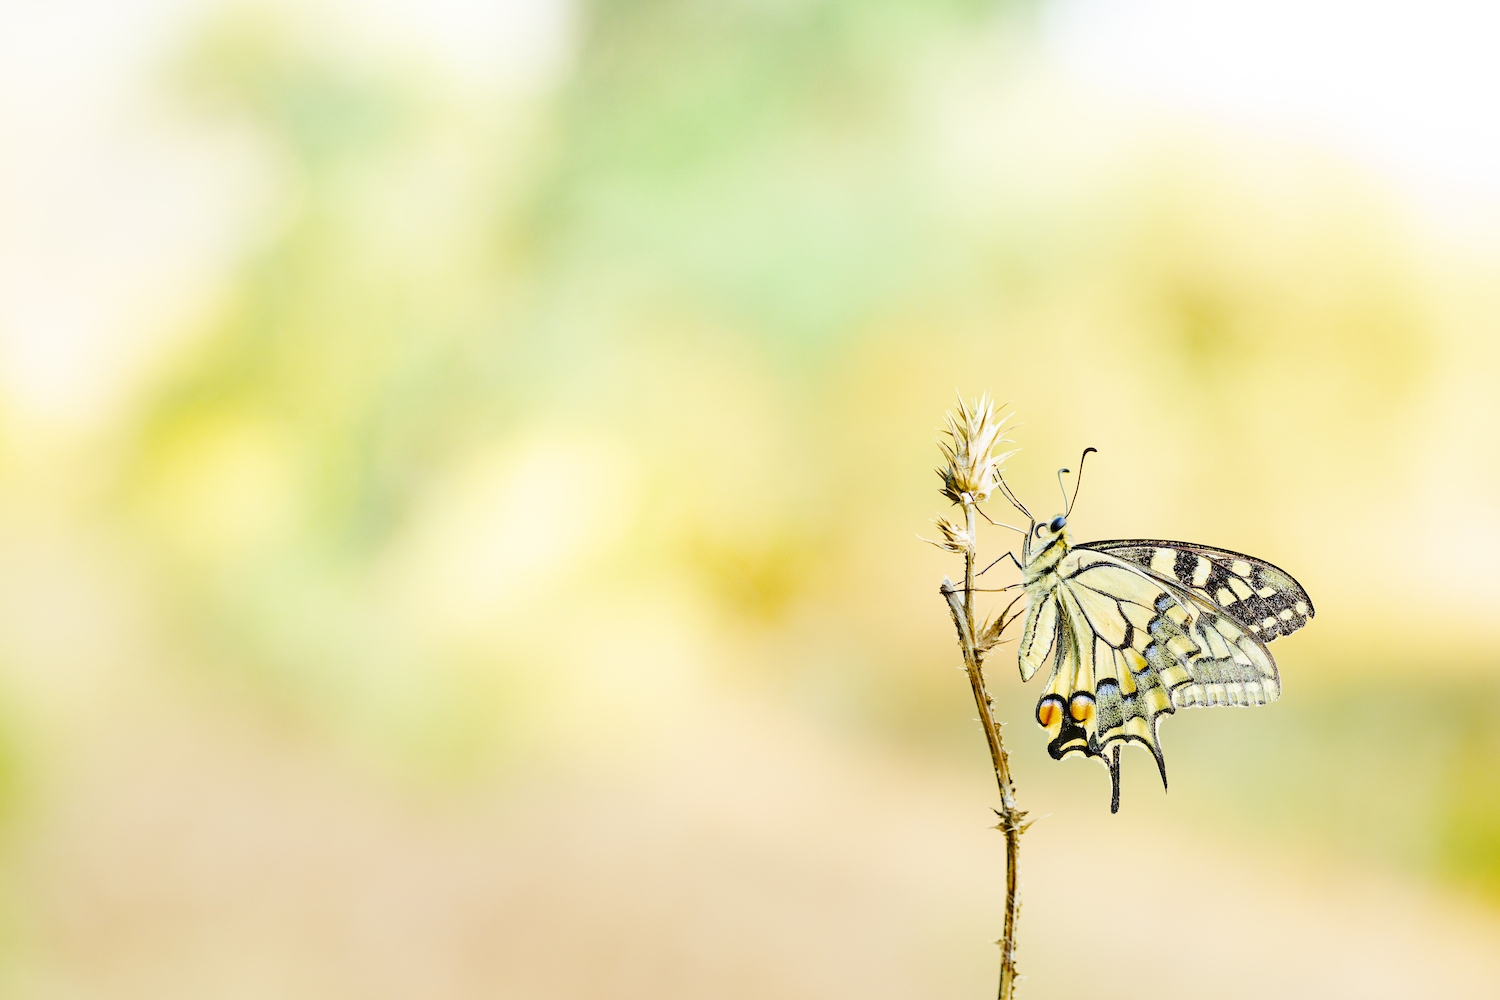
x=1048, y=544
x=1045, y=530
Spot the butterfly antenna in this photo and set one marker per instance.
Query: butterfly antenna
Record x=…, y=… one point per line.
x=1079, y=482
x=1060, y=474
x=1014, y=502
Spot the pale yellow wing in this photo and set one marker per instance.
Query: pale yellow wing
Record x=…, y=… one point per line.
x=1127, y=649
x=1039, y=636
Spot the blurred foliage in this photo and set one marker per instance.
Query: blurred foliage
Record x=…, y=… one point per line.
x=1468, y=798
x=758, y=164
x=497, y=389
x=407, y=310
x=15, y=771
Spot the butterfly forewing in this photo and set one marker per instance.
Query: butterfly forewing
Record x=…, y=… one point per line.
x=1263, y=599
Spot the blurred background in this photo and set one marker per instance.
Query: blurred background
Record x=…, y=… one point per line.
x=461, y=464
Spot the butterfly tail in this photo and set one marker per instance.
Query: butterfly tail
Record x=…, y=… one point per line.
x=1114, y=777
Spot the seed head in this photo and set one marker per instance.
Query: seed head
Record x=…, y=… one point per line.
x=971, y=459
x=955, y=538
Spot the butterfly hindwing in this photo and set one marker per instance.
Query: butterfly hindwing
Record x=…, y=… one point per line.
x=1203, y=655
x=1263, y=599
x=1128, y=648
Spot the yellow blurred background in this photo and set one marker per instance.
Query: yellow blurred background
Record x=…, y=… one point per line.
x=461, y=464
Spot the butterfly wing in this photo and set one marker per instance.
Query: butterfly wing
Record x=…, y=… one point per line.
x=1040, y=636
x=1262, y=598
x=1129, y=648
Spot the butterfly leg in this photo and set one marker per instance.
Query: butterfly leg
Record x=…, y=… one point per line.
x=1010, y=555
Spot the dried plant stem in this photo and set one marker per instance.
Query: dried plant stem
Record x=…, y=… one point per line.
x=1012, y=825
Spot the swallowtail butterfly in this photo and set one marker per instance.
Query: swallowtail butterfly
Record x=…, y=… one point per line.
x=1136, y=629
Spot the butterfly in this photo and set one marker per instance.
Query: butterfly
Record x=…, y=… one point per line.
x=1137, y=628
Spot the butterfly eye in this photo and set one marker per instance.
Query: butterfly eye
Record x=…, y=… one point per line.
x=1058, y=523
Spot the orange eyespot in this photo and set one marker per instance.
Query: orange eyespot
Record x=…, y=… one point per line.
x=1049, y=711
x=1081, y=708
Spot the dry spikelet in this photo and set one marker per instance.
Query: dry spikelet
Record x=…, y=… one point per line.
x=971, y=459
x=955, y=537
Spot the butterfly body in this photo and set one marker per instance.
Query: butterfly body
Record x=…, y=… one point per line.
x=1136, y=629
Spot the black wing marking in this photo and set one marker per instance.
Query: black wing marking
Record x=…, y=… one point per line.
x=1262, y=598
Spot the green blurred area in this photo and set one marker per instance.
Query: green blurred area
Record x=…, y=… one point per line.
x=522, y=418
